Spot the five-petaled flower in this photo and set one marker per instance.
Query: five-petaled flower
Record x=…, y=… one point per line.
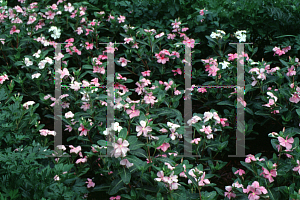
x=287, y=143
x=143, y=129
x=120, y=148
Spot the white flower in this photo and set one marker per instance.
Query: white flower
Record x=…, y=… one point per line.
x=42, y=64
x=224, y=64
x=106, y=132
x=116, y=126
x=272, y=95
x=241, y=35
x=171, y=125
x=52, y=133
x=69, y=114
x=37, y=75
x=37, y=54
x=28, y=103
x=207, y=116
x=48, y=60
x=28, y=62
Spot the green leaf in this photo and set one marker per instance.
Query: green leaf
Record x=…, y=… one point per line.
x=115, y=186
x=125, y=175
x=284, y=63
x=222, y=145
x=225, y=103
x=298, y=111
x=139, y=153
x=123, y=133
x=136, y=145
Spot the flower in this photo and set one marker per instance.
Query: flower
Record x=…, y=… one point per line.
x=120, y=148
x=64, y=72
x=287, y=143
x=83, y=130
x=240, y=172
x=241, y=35
x=69, y=115
x=28, y=103
x=249, y=158
x=268, y=174
x=75, y=150
x=143, y=129
x=133, y=113
x=90, y=183
x=229, y=192
x=164, y=147
x=37, y=75
x=298, y=167
x=123, y=61
x=126, y=162
x=28, y=62
x=224, y=64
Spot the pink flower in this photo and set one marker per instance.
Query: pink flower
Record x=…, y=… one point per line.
x=146, y=73
x=291, y=71
x=268, y=174
x=89, y=45
x=90, y=183
x=298, y=167
x=127, y=40
x=123, y=61
x=164, y=147
x=143, y=129
x=171, y=36
x=229, y=193
x=63, y=73
x=242, y=101
x=81, y=160
x=232, y=56
x=207, y=129
x=121, y=19
x=75, y=150
x=295, y=98
x=287, y=143
x=249, y=158
x=178, y=70
x=133, y=113
x=196, y=140
x=176, y=24
x=203, y=181
x=168, y=85
x=59, y=56
x=202, y=90
x=120, y=148
x=83, y=130
x=14, y=30
x=240, y=171
x=126, y=162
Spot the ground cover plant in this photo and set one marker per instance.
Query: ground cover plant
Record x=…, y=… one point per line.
x=149, y=101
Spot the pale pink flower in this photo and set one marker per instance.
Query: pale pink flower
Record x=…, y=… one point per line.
x=127, y=40
x=242, y=101
x=287, y=143
x=229, y=194
x=89, y=45
x=28, y=103
x=56, y=178
x=69, y=115
x=120, y=148
x=268, y=174
x=121, y=19
x=146, y=73
x=64, y=72
x=297, y=168
x=168, y=85
x=196, y=140
x=133, y=113
x=240, y=172
x=83, y=130
x=171, y=36
x=143, y=129
x=59, y=56
x=249, y=158
x=75, y=150
x=81, y=160
x=178, y=70
x=291, y=71
x=14, y=30
x=90, y=183
x=126, y=162
x=295, y=98
x=123, y=61
x=207, y=129
x=164, y=147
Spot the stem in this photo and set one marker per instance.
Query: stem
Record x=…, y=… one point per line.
x=131, y=71
x=4, y=57
x=128, y=129
x=199, y=192
x=143, y=61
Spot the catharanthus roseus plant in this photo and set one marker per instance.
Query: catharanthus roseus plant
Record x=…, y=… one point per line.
x=141, y=160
